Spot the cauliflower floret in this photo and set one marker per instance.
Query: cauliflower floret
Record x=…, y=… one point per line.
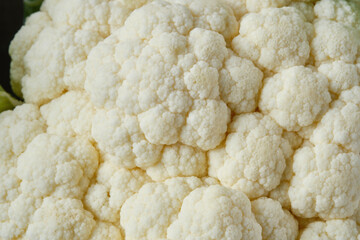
x=341, y=75
x=55, y=45
x=341, y=124
x=239, y=84
x=57, y=166
x=170, y=81
x=331, y=230
x=112, y=188
x=212, y=15
x=55, y=62
x=200, y=211
x=257, y=6
x=253, y=157
x=18, y=215
x=306, y=8
x=69, y=115
x=265, y=36
x=20, y=45
x=238, y=7
x=102, y=16
x=161, y=202
x=18, y=128
x=51, y=165
x=334, y=41
x=295, y=97
x=280, y=193
x=179, y=161
x=105, y=231
x=276, y=223
x=60, y=219
x=206, y=124
x=121, y=141
x=346, y=12
x=325, y=182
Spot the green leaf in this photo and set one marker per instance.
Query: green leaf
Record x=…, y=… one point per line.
x=7, y=102
x=31, y=6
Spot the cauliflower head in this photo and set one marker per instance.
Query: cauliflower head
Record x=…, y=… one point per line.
x=183, y=119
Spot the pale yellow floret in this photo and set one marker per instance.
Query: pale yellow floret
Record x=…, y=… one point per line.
x=341, y=124
x=60, y=219
x=105, y=231
x=69, y=115
x=331, y=230
x=341, y=75
x=276, y=223
x=325, y=182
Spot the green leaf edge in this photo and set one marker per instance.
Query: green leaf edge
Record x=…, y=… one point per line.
x=7, y=102
x=31, y=6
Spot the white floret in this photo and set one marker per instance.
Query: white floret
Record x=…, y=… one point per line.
x=148, y=213
x=295, y=97
x=18, y=128
x=341, y=75
x=334, y=41
x=18, y=215
x=20, y=45
x=112, y=188
x=59, y=219
x=215, y=212
x=239, y=84
x=341, y=124
x=55, y=62
x=102, y=16
x=331, y=230
x=165, y=70
x=306, y=8
x=253, y=157
x=280, y=193
x=212, y=15
x=238, y=7
x=57, y=166
x=325, y=182
x=257, y=6
x=105, y=231
x=276, y=223
x=69, y=115
x=264, y=38
x=49, y=53
x=121, y=141
x=346, y=12
x=179, y=161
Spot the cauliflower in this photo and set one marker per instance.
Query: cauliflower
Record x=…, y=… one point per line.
x=183, y=119
x=295, y=97
x=276, y=223
x=331, y=230
x=325, y=182
x=253, y=157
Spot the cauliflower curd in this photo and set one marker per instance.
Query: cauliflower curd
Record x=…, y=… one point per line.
x=184, y=120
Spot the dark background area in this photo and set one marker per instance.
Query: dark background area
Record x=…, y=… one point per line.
x=11, y=19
